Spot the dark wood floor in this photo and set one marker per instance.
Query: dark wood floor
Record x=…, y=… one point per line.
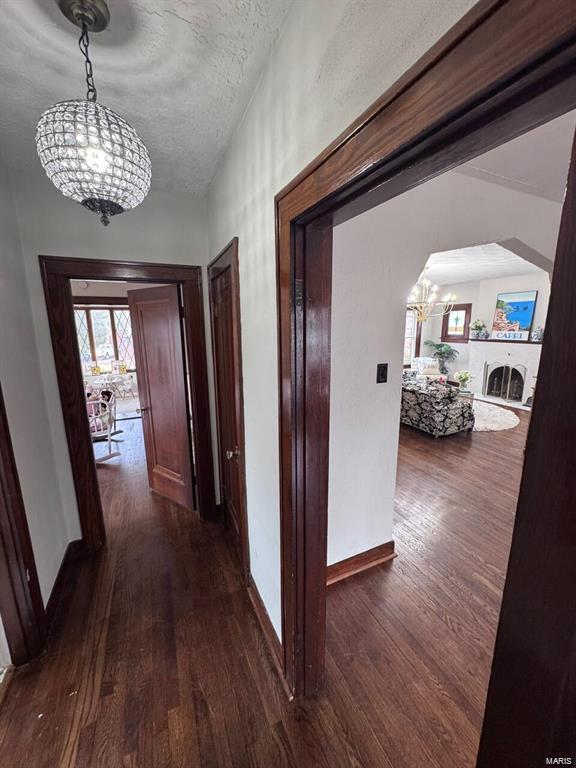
x=158, y=661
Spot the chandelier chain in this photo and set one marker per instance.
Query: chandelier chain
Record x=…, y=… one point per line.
x=83, y=44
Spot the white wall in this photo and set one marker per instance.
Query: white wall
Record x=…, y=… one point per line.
x=26, y=407
x=331, y=61
x=466, y=293
x=105, y=288
x=482, y=295
x=450, y=212
x=4, y=652
x=488, y=290
x=165, y=228
x=369, y=288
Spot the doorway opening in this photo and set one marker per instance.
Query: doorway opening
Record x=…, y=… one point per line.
x=384, y=155
x=224, y=295
x=159, y=330
x=105, y=341
x=135, y=369
x=428, y=463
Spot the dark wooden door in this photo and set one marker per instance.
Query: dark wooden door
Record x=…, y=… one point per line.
x=21, y=606
x=224, y=303
x=159, y=352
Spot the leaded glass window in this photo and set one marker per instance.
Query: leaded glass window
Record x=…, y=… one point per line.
x=83, y=336
x=124, y=337
x=105, y=336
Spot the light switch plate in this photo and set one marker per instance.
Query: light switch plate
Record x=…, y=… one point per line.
x=381, y=373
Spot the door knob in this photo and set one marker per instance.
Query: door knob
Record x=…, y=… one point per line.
x=141, y=410
x=231, y=454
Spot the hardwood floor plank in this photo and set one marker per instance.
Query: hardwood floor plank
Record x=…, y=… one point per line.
x=156, y=659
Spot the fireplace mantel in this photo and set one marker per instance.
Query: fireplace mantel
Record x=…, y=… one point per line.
x=504, y=341
x=525, y=353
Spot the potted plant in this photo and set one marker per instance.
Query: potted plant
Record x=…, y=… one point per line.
x=463, y=378
x=444, y=353
x=478, y=329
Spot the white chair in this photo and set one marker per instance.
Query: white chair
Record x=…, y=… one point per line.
x=124, y=384
x=101, y=418
x=426, y=368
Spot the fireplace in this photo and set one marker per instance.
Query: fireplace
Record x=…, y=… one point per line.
x=504, y=381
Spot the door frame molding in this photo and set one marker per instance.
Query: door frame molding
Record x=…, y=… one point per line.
x=57, y=271
x=228, y=259
x=21, y=604
x=506, y=67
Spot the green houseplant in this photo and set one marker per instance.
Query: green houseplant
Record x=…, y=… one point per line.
x=444, y=353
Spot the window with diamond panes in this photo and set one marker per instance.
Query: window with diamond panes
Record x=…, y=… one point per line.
x=124, y=337
x=82, y=334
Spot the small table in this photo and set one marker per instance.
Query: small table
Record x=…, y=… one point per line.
x=466, y=394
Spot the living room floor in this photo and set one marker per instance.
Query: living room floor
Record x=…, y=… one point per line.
x=420, y=653
x=156, y=658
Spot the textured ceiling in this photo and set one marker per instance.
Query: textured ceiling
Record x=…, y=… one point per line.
x=478, y=262
x=180, y=71
x=535, y=163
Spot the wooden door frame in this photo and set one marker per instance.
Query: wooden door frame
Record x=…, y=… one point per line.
x=57, y=271
x=228, y=259
x=506, y=67
x=21, y=605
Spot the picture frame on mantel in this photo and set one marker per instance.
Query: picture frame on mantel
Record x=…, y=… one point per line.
x=514, y=316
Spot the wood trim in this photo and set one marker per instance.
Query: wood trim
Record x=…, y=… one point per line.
x=506, y=68
x=130, y=271
x=100, y=301
x=113, y=329
x=445, y=336
x=360, y=562
x=472, y=19
x=270, y=636
x=56, y=275
x=91, y=340
x=71, y=386
x=459, y=95
x=21, y=605
x=194, y=329
x=228, y=259
x=73, y=551
x=505, y=341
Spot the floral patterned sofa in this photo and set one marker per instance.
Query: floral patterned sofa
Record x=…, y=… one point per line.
x=435, y=408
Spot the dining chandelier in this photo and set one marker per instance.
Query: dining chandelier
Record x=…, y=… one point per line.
x=89, y=152
x=424, y=302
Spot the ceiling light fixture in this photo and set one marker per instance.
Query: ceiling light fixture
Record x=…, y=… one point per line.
x=424, y=301
x=88, y=151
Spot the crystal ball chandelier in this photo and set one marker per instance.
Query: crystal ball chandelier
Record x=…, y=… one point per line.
x=89, y=152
